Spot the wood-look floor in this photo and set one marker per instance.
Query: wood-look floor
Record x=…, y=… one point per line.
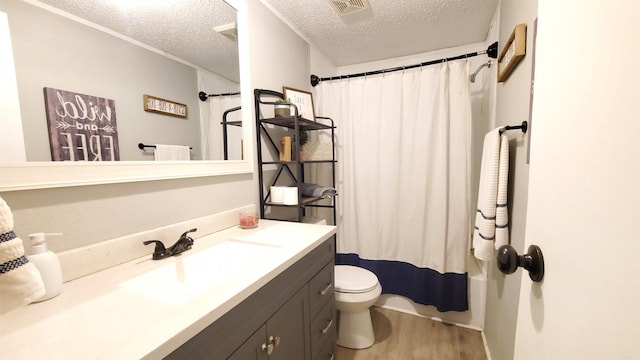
x=401, y=336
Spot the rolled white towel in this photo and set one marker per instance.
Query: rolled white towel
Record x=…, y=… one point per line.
x=20, y=281
x=313, y=190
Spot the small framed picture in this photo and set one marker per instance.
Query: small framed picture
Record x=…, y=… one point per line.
x=163, y=106
x=303, y=100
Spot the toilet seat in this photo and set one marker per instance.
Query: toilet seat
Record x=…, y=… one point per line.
x=354, y=280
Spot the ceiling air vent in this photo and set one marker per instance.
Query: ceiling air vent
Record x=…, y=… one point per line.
x=344, y=7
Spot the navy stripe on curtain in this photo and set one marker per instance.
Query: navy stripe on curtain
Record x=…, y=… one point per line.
x=447, y=292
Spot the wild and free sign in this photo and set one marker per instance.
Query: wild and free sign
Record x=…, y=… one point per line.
x=81, y=127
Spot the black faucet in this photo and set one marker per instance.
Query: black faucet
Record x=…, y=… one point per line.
x=183, y=244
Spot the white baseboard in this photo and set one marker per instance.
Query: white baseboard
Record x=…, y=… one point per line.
x=486, y=346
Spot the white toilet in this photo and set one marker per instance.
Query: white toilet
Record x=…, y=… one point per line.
x=356, y=290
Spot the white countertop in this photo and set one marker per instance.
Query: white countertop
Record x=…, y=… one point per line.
x=146, y=308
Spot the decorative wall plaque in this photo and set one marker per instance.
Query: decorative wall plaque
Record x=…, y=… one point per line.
x=163, y=106
x=513, y=52
x=81, y=127
x=303, y=100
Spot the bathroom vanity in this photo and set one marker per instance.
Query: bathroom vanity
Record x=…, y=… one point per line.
x=291, y=317
x=264, y=293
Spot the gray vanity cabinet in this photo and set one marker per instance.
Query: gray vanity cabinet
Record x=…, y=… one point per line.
x=283, y=337
x=290, y=318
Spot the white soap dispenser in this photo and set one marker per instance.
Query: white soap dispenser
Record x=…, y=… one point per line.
x=47, y=263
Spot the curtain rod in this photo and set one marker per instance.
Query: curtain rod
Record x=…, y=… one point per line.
x=203, y=96
x=492, y=52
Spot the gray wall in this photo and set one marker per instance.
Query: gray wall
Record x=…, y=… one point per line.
x=53, y=51
x=512, y=107
x=278, y=48
x=91, y=214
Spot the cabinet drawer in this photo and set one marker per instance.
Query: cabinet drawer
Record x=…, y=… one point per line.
x=327, y=251
x=327, y=350
x=321, y=289
x=323, y=325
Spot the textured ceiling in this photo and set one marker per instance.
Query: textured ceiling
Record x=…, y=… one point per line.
x=182, y=28
x=388, y=28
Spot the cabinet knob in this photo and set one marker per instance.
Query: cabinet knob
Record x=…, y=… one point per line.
x=267, y=348
x=274, y=340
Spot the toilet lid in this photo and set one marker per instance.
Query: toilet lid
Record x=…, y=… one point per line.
x=352, y=279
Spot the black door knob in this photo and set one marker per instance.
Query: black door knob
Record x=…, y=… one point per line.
x=508, y=261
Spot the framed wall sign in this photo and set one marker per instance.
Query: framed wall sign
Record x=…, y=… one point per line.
x=81, y=127
x=514, y=50
x=303, y=100
x=164, y=106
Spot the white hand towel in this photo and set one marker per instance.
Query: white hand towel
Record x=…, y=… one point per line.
x=502, y=209
x=491, y=229
x=172, y=152
x=20, y=281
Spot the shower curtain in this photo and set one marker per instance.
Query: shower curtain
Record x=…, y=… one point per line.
x=211, y=112
x=404, y=179
x=212, y=138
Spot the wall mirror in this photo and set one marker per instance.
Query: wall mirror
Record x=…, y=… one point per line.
x=145, y=72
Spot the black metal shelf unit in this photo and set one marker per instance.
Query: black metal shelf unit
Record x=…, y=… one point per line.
x=269, y=128
x=225, y=131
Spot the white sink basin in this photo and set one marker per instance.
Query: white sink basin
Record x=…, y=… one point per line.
x=192, y=274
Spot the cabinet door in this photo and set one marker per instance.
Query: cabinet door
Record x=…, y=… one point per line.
x=254, y=348
x=288, y=329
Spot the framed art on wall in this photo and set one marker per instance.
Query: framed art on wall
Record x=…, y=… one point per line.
x=164, y=106
x=303, y=100
x=513, y=52
x=81, y=127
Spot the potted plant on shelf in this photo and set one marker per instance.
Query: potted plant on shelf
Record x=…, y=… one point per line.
x=282, y=108
x=304, y=137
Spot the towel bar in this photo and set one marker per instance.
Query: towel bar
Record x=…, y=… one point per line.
x=524, y=126
x=141, y=146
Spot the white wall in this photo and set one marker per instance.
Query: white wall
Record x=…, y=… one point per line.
x=92, y=214
x=583, y=185
x=279, y=56
x=319, y=64
x=512, y=107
